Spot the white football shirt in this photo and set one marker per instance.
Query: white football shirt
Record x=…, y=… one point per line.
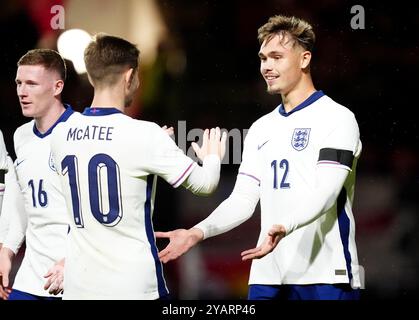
x=12, y=207
x=3, y=166
x=44, y=205
x=107, y=161
x=3, y=154
x=281, y=153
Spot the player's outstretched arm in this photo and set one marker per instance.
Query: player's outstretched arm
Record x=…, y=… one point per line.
x=233, y=211
x=181, y=241
x=55, y=278
x=213, y=142
x=275, y=235
x=6, y=257
x=204, y=180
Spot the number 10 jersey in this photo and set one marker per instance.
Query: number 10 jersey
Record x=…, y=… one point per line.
x=107, y=161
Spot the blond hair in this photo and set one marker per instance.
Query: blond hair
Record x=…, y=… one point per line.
x=300, y=30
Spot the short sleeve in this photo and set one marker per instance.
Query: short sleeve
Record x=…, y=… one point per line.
x=250, y=158
x=342, y=143
x=166, y=159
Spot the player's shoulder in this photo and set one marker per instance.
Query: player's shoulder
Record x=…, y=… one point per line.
x=1, y=139
x=134, y=129
x=335, y=109
x=144, y=125
x=61, y=126
x=23, y=132
x=264, y=122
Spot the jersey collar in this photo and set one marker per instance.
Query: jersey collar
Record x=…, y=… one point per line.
x=94, y=111
x=66, y=114
x=314, y=97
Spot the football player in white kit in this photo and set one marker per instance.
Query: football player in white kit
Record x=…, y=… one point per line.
x=107, y=163
x=6, y=172
x=299, y=161
x=3, y=167
x=12, y=208
x=43, y=221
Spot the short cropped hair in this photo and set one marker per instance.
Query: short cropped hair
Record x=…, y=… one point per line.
x=106, y=57
x=300, y=30
x=50, y=59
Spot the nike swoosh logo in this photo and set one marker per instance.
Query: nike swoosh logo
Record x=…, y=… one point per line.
x=261, y=145
x=19, y=162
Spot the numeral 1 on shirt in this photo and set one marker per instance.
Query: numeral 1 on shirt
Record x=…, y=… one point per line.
x=41, y=195
x=284, y=166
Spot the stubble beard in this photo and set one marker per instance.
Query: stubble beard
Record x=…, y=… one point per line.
x=273, y=91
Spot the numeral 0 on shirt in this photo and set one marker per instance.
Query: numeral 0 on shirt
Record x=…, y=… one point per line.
x=96, y=175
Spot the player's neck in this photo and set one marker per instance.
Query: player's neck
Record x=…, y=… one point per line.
x=297, y=95
x=50, y=118
x=109, y=98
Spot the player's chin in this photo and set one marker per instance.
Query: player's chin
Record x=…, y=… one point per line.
x=273, y=90
x=26, y=112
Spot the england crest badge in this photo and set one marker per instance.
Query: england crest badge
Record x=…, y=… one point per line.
x=300, y=138
x=51, y=163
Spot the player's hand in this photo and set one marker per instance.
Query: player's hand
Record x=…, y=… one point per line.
x=275, y=235
x=181, y=240
x=213, y=142
x=170, y=131
x=6, y=256
x=55, y=278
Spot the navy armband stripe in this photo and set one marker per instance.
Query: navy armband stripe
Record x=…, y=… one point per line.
x=344, y=157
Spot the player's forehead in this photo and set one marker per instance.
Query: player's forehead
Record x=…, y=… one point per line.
x=37, y=71
x=278, y=42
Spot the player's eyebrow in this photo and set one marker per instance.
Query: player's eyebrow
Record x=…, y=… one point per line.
x=270, y=53
x=27, y=81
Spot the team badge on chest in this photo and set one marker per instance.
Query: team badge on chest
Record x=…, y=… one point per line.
x=300, y=138
x=51, y=162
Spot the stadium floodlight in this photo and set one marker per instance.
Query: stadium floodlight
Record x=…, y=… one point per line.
x=71, y=45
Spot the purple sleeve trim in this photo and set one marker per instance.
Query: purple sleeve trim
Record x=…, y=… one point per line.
x=183, y=174
x=249, y=175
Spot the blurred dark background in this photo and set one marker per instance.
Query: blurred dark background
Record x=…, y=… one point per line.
x=205, y=70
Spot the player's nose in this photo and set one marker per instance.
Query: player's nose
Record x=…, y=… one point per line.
x=21, y=91
x=266, y=66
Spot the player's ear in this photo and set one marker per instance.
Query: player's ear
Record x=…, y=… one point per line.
x=58, y=87
x=305, y=59
x=90, y=80
x=129, y=75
